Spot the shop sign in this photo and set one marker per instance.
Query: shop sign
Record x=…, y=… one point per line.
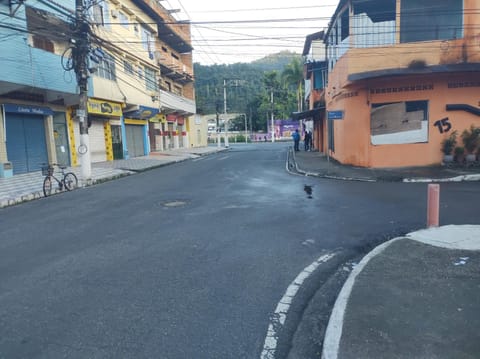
x=142, y=112
x=28, y=110
x=104, y=108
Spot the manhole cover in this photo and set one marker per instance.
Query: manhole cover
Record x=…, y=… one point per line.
x=175, y=204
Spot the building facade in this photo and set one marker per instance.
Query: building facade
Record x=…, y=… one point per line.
x=140, y=91
x=403, y=74
x=36, y=91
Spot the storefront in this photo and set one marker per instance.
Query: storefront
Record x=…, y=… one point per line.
x=137, y=130
x=102, y=117
x=25, y=135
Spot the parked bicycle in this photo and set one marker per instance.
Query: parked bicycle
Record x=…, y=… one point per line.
x=67, y=181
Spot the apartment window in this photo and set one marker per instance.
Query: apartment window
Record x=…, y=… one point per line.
x=431, y=20
x=177, y=90
x=374, y=23
x=399, y=122
x=151, y=79
x=124, y=21
x=128, y=67
x=345, y=24
x=106, y=68
x=175, y=56
x=100, y=14
x=168, y=86
x=43, y=43
x=147, y=41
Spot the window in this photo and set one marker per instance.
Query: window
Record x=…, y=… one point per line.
x=431, y=20
x=147, y=41
x=128, y=67
x=100, y=14
x=177, y=90
x=124, y=21
x=43, y=43
x=345, y=25
x=106, y=68
x=151, y=79
x=374, y=23
x=399, y=122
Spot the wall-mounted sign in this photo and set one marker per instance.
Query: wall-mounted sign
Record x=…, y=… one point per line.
x=142, y=112
x=335, y=115
x=28, y=110
x=104, y=108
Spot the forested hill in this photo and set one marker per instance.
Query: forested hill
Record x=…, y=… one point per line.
x=244, y=83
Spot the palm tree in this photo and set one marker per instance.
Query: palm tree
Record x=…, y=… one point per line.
x=292, y=75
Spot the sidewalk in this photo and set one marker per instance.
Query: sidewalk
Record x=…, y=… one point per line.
x=412, y=297
x=29, y=186
x=317, y=164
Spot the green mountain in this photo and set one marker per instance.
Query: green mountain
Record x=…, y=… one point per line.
x=243, y=84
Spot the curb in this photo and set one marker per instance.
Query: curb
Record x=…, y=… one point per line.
x=333, y=334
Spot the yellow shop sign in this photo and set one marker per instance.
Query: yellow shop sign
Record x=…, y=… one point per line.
x=104, y=108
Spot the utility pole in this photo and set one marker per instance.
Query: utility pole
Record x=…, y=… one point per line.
x=225, y=121
x=218, y=125
x=80, y=56
x=273, y=128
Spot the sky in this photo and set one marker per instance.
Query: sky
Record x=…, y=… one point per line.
x=226, y=32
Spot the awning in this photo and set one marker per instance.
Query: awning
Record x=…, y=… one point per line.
x=314, y=113
x=142, y=112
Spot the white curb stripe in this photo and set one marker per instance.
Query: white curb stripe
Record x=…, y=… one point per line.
x=281, y=311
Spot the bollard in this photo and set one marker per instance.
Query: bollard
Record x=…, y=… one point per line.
x=433, y=206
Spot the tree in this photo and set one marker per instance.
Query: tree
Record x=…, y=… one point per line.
x=292, y=76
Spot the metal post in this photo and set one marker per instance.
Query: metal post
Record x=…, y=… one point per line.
x=433, y=207
x=81, y=51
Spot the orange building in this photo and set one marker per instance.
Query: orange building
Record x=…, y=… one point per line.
x=402, y=76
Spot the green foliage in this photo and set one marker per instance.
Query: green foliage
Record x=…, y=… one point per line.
x=249, y=88
x=470, y=139
x=448, y=144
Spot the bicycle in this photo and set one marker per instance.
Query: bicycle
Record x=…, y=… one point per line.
x=68, y=181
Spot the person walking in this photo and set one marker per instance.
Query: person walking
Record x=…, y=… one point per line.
x=296, y=140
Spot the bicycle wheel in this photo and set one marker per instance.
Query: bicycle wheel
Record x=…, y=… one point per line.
x=70, y=181
x=47, y=186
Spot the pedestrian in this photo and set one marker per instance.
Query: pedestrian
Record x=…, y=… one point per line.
x=296, y=140
x=306, y=140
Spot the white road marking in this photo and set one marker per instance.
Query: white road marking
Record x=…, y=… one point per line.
x=281, y=311
x=223, y=158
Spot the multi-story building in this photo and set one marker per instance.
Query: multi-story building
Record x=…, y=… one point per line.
x=35, y=89
x=146, y=71
x=403, y=74
x=141, y=92
x=315, y=74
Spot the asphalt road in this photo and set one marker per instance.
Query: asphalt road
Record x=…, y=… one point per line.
x=189, y=260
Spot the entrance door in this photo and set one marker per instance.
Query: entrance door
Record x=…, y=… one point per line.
x=26, y=144
x=135, y=143
x=117, y=142
x=61, y=139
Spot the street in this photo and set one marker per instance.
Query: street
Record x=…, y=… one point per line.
x=189, y=260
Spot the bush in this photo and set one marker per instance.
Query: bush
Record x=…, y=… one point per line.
x=470, y=139
x=448, y=144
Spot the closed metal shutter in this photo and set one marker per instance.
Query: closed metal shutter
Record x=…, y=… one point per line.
x=96, y=136
x=135, y=142
x=26, y=144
